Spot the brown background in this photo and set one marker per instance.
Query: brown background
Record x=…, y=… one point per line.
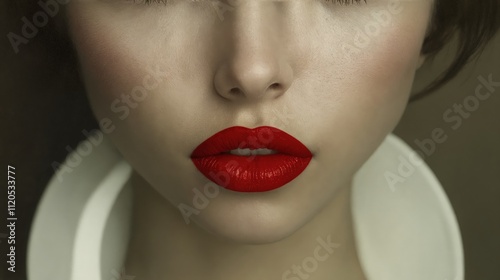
x=468, y=162
x=38, y=122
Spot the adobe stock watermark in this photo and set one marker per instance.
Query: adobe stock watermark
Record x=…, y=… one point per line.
x=310, y=264
x=201, y=200
x=379, y=19
x=30, y=27
x=454, y=116
x=122, y=107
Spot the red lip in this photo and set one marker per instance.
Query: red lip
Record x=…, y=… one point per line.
x=254, y=173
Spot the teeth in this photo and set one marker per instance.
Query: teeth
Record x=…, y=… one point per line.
x=248, y=152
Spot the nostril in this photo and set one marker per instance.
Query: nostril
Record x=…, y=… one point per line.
x=275, y=86
x=234, y=91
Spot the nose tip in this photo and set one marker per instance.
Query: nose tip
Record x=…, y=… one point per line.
x=254, y=62
x=253, y=79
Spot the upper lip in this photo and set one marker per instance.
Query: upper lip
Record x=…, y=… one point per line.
x=260, y=137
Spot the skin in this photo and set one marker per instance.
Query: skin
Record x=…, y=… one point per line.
x=289, y=64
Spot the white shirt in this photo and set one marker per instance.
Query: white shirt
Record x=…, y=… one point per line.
x=404, y=225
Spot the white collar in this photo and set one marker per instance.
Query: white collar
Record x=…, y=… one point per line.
x=403, y=231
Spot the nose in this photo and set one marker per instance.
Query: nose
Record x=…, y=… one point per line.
x=253, y=63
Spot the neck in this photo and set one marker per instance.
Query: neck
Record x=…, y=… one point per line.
x=163, y=246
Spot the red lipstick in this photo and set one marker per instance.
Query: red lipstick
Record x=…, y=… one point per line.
x=251, y=171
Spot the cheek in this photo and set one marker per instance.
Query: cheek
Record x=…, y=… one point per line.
x=384, y=59
x=108, y=63
x=388, y=73
x=368, y=86
x=117, y=54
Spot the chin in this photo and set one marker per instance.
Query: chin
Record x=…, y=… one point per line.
x=255, y=220
x=253, y=233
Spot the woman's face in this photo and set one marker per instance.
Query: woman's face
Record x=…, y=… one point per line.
x=164, y=77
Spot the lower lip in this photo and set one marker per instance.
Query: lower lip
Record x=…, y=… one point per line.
x=255, y=173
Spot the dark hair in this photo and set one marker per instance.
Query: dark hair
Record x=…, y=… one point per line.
x=473, y=22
